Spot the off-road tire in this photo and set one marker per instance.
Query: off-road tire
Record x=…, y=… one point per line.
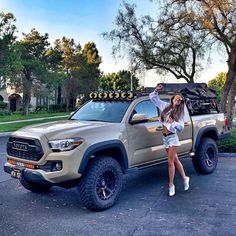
x=206, y=158
x=101, y=185
x=35, y=187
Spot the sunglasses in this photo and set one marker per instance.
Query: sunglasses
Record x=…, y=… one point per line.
x=178, y=98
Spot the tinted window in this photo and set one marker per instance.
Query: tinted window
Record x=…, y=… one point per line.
x=147, y=108
x=107, y=111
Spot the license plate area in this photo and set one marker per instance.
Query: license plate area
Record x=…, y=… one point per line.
x=16, y=174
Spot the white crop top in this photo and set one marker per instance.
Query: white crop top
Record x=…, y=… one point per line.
x=172, y=127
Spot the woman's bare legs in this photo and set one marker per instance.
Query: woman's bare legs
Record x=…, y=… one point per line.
x=173, y=161
x=179, y=167
x=171, y=164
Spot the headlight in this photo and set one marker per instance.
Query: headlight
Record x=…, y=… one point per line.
x=61, y=145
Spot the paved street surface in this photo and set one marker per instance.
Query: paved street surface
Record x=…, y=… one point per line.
x=144, y=208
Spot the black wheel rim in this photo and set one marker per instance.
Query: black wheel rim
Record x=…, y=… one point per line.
x=106, y=185
x=210, y=156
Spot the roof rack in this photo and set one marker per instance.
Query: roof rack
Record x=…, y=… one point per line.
x=173, y=88
x=199, y=98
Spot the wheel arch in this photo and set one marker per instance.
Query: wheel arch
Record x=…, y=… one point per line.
x=112, y=148
x=209, y=132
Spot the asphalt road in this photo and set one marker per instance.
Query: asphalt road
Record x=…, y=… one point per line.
x=144, y=208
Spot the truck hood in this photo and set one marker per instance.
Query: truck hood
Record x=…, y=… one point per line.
x=60, y=129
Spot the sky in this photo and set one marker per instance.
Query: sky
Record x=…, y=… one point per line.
x=85, y=21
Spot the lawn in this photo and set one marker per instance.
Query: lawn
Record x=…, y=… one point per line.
x=19, y=116
x=15, y=126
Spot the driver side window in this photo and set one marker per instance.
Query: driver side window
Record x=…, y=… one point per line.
x=147, y=108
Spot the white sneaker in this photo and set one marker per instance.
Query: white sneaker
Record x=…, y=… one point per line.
x=172, y=191
x=186, y=183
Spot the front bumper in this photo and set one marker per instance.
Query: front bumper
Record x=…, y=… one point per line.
x=29, y=175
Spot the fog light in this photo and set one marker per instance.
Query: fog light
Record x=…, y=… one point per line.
x=56, y=166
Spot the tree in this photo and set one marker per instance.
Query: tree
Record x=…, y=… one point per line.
x=218, y=84
x=159, y=43
x=118, y=81
x=90, y=69
x=70, y=64
x=89, y=72
x=81, y=68
x=33, y=48
x=9, y=53
x=57, y=74
x=218, y=19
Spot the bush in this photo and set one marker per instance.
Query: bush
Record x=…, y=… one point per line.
x=57, y=108
x=5, y=113
x=3, y=105
x=41, y=108
x=229, y=144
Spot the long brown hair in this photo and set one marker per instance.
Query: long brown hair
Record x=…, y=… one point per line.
x=176, y=112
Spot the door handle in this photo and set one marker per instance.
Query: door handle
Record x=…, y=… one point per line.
x=186, y=123
x=159, y=128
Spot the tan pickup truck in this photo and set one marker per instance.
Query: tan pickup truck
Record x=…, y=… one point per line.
x=101, y=141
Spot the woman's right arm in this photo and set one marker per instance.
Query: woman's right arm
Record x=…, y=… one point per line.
x=154, y=97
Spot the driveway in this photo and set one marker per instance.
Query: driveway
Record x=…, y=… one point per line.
x=144, y=208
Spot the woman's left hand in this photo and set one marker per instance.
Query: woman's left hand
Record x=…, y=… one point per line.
x=171, y=120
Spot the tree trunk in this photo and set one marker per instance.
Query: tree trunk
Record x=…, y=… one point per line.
x=231, y=104
x=59, y=95
x=67, y=103
x=229, y=80
x=27, y=87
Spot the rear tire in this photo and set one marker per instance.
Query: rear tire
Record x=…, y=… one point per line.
x=206, y=158
x=102, y=183
x=34, y=187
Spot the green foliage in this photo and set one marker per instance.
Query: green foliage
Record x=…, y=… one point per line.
x=34, y=67
x=9, y=53
x=15, y=116
x=32, y=61
x=57, y=108
x=41, y=108
x=118, y=81
x=15, y=126
x=4, y=112
x=229, y=144
x=218, y=83
x=3, y=105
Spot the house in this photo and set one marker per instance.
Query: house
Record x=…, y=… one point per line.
x=14, y=100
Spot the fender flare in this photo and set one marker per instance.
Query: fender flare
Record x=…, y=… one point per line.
x=101, y=147
x=202, y=132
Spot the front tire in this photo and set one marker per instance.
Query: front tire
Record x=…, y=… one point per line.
x=102, y=183
x=34, y=187
x=206, y=158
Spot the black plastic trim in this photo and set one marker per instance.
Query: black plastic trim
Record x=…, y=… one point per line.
x=202, y=132
x=102, y=146
x=31, y=176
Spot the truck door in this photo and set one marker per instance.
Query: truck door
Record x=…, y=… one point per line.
x=144, y=139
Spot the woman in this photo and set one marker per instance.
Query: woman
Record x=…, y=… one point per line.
x=172, y=118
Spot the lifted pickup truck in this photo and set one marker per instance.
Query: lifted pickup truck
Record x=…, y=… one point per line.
x=104, y=138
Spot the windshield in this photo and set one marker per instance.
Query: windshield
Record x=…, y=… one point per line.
x=106, y=111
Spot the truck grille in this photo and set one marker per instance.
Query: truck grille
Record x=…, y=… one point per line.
x=28, y=149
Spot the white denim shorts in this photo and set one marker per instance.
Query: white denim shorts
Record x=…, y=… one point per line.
x=171, y=140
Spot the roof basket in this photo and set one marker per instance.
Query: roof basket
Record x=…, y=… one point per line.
x=199, y=98
x=177, y=87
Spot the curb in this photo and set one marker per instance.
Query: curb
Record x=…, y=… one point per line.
x=227, y=155
x=5, y=134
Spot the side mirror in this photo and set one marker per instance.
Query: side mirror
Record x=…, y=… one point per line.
x=138, y=118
